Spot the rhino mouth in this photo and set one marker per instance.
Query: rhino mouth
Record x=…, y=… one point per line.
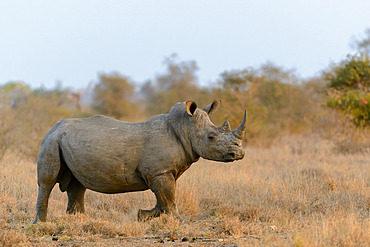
x=232, y=156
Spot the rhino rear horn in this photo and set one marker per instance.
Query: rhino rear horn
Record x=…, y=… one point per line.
x=211, y=108
x=225, y=127
x=239, y=132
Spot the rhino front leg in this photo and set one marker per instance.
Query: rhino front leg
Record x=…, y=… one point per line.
x=164, y=187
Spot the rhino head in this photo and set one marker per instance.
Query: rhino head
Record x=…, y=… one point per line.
x=212, y=142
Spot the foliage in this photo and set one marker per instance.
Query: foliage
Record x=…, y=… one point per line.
x=350, y=89
x=355, y=104
x=276, y=102
x=178, y=83
x=113, y=96
x=13, y=94
x=23, y=127
x=353, y=74
x=362, y=45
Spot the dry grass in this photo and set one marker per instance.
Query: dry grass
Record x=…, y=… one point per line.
x=298, y=192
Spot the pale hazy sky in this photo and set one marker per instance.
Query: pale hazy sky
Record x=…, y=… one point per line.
x=71, y=41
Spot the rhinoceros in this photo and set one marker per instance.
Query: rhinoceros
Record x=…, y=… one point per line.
x=110, y=156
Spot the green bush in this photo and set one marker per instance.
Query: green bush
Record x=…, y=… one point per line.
x=355, y=104
x=349, y=85
x=353, y=74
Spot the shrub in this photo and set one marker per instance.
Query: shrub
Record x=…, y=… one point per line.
x=349, y=85
x=355, y=104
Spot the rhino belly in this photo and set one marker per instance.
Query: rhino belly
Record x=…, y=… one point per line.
x=106, y=182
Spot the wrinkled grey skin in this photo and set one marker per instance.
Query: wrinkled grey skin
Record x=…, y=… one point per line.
x=111, y=156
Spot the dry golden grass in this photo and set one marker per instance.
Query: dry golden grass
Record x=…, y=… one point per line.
x=299, y=192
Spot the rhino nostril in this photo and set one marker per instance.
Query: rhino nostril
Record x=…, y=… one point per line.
x=232, y=155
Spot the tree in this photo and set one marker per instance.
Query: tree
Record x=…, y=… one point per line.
x=275, y=100
x=14, y=93
x=114, y=95
x=178, y=83
x=353, y=74
x=362, y=45
x=349, y=86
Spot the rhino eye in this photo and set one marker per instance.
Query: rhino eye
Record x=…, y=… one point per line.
x=211, y=136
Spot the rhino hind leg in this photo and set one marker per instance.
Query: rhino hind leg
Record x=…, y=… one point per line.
x=42, y=202
x=163, y=187
x=48, y=167
x=76, y=193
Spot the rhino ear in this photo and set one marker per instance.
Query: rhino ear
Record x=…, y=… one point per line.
x=211, y=108
x=191, y=106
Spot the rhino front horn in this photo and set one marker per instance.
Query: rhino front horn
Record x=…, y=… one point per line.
x=239, y=132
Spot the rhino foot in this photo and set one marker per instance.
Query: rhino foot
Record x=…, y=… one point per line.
x=144, y=215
